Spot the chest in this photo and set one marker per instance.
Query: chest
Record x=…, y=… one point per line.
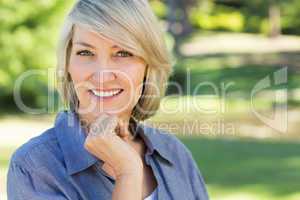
x=96, y=183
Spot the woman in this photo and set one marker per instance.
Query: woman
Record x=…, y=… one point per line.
x=112, y=70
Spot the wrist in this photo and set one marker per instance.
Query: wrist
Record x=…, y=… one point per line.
x=136, y=177
x=131, y=171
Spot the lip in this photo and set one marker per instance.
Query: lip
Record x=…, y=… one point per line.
x=106, y=90
x=105, y=98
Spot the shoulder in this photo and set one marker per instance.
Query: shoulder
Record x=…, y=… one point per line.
x=32, y=154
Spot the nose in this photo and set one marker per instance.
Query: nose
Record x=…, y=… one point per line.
x=103, y=76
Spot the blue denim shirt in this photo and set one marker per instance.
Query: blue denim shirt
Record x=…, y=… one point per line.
x=56, y=166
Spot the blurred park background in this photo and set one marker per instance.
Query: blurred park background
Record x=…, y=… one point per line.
x=238, y=105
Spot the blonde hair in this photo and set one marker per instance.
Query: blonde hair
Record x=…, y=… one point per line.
x=130, y=23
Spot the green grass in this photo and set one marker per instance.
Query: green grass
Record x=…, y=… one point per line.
x=248, y=169
x=236, y=169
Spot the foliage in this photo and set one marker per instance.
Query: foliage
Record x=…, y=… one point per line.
x=159, y=8
x=29, y=30
x=291, y=15
x=217, y=18
x=28, y=34
x=237, y=15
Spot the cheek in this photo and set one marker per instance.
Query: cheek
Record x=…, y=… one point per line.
x=134, y=77
x=76, y=70
x=78, y=74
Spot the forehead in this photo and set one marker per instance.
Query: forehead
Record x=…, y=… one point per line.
x=82, y=34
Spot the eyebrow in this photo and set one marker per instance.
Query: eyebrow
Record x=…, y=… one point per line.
x=91, y=46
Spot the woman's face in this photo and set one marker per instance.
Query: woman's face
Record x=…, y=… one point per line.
x=106, y=77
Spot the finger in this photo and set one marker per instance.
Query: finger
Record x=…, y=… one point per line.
x=104, y=124
x=122, y=129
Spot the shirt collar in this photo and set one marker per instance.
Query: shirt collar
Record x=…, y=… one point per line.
x=154, y=141
x=71, y=137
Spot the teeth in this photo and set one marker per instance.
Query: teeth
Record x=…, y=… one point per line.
x=106, y=93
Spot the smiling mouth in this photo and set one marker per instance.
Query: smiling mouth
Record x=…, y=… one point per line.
x=107, y=93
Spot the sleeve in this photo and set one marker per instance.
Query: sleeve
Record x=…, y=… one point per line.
x=23, y=184
x=197, y=181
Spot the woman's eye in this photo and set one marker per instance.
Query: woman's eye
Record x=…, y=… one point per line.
x=124, y=54
x=84, y=53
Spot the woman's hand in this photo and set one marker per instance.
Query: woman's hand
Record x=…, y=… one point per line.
x=107, y=141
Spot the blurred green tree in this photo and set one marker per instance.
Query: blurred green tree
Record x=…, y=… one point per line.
x=271, y=17
x=29, y=30
x=28, y=34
